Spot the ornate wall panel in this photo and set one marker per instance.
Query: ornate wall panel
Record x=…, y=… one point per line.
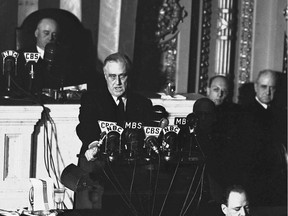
x=246, y=33
x=204, y=48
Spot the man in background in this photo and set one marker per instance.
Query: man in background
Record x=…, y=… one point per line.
x=268, y=174
x=33, y=77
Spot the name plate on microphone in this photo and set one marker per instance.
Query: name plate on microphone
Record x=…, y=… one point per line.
x=171, y=128
x=152, y=131
x=133, y=125
x=10, y=53
x=104, y=124
x=180, y=121
x=115, y=128
x=31, y=56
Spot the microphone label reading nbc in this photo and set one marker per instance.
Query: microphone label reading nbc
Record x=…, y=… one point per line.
x=115, y=128
x=171, y=128
x=10, y=53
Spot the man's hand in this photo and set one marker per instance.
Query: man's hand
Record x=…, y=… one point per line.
x=93, y=149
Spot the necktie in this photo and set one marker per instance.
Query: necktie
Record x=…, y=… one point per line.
x=120, y=112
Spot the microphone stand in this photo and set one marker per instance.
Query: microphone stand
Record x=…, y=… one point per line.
x=8, y=94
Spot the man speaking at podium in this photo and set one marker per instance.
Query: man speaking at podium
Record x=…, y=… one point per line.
x=114, y=102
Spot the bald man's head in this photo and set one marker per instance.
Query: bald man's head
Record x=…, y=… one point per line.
x=46, y=32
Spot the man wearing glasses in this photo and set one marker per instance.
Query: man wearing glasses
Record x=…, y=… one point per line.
x=115, y=102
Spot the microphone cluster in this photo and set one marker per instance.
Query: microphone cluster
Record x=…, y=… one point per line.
x=10, y=63
x=145, y=143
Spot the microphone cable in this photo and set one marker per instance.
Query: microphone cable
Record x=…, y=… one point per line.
x=48, y=144
x=189, y=190
x=156, y=185
x=120, y=190
x=169, y=188
x=200, y=181
x=132, y=180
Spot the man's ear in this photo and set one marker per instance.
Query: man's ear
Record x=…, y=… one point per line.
x=207, y=91
x=36, y=32
x=255, y=87
x=224, y=208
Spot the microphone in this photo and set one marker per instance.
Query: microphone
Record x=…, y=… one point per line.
x=163, y=122
x=190, y=149
x=50, y=54
x=169, y=145
x=31, y=57
x=9, y=68
x=112, y=145
x=133, y=140
x=192, y=122
x=113, y=141
x=151, y=143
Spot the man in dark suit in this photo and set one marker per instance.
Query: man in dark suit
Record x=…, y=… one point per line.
x=227, y=112
x=267, y=145
x=104, y=105
x=34, y=76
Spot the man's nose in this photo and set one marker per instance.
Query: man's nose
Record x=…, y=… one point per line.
x=52, y=37
x=220, y=93
x=119, y=80
x=243, y=212
x=268, y=91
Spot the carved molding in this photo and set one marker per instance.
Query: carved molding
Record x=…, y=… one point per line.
x=285, y=58
x=223, y=41
x=205, y=46
x=246, y=33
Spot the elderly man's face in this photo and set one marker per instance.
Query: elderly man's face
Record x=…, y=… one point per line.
x=237, y=205
x=46, y=32
x=265, y=88
x=218, y=91
x=116, y=78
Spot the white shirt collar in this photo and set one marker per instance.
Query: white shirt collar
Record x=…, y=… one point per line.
x=41, y=51
x=262, y=104
x=117, y=101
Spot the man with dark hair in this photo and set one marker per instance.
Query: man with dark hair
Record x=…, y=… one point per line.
x=236, y=202
x=218, y=89
x=116, y=103
x=227, y=112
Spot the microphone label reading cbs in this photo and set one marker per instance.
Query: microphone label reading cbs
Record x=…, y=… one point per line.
x=152, y=131
x=31, y=56
x=104, y=124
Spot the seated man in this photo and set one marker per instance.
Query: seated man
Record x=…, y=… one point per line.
x=235, y=202
x=65, y=48
x=114, y=103
x=43, y=74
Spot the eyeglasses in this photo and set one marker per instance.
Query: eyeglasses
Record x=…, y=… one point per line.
x=114, y=76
